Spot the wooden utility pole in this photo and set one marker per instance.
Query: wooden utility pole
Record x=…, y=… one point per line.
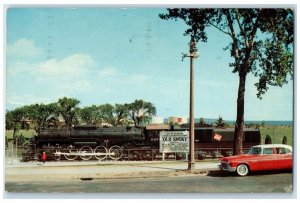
x=193, y=54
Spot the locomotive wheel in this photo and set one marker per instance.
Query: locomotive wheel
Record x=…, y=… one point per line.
x=57, y=156
x=201, y=156
x=100, y=149
x=155, y=154
x=135, y=155
x=83, y=153
x=70, y=157
x=179, y=156
x=148, y=155
x=117, y=152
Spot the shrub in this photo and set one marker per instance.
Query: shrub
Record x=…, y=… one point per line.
x=284, y=140
x=268, y=140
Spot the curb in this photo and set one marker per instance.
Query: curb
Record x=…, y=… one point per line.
x=118, y=176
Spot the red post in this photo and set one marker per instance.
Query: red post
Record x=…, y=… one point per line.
x=44, y=157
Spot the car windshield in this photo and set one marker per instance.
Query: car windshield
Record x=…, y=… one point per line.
x=254, y=150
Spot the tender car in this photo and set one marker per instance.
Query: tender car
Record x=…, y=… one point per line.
x=259, y=158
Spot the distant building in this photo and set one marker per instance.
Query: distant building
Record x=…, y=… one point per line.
x=157, y=120
x=177, y=120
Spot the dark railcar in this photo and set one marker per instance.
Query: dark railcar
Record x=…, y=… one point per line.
x=204, y=137
x=205, y=144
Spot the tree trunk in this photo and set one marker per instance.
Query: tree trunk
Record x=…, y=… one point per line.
x=238, y=133
x=15, y=134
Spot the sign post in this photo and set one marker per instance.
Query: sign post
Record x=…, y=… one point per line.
x=173, y=142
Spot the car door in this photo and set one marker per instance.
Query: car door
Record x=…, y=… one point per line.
x=268, y=159
x=256, y=159
x=283, y=158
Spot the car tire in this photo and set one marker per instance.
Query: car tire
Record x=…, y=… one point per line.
x=242, y=170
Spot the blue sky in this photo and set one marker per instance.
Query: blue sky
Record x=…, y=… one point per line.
x=102, y=55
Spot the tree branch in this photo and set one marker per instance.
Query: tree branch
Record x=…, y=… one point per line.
x=234, y=39
x=254, y=30
x=252, y=35
x=240, y=26
x=218, y=28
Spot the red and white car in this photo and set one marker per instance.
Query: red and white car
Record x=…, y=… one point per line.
x=259, y=158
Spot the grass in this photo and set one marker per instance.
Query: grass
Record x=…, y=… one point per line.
x=277, y=133
x=25, y=133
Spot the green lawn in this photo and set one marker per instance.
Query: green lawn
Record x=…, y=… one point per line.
x=277, y=133
x=25, y=133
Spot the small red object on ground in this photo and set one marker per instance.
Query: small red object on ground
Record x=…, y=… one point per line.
x=44, y=157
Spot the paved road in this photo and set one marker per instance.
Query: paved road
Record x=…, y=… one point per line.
x=136, y=178
x=280, y=183
x=140, y=178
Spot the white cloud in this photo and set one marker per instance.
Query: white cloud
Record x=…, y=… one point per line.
x=50, y=79
x=21, y=56
x=107, y=72
x=23, y=49
x=15, y=68
x=73, y=65
x=139, y=78
x=14, y=99
x=111, y=72
x=82, y=85
x=76, y=87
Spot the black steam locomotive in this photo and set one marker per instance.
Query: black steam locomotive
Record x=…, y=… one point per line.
x=131, y=143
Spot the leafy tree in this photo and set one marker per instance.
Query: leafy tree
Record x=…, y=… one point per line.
x=261, y=44
x=220, y=123
x=67, y=107
x=202, y=123
x=268, y=140
x=108, y=113
x=36, y=114
x=257, y=126
x=253, y=125
x=114, y=115
x=141, y=111
x=39, y=113
x=121, y=112
x=13, y=120
x=9, y=122
x=91, y=114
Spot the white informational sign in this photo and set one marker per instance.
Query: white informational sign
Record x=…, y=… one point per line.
x=174, y=141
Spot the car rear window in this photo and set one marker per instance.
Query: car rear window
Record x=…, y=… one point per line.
x=280, y=150
x=268, y=151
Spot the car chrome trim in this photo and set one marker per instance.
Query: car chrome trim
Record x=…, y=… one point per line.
x=224, y=166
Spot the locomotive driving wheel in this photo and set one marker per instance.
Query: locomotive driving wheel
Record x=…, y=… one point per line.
x=85, y=153
x=115, y=152
x=71, y=153
x=101, y=149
